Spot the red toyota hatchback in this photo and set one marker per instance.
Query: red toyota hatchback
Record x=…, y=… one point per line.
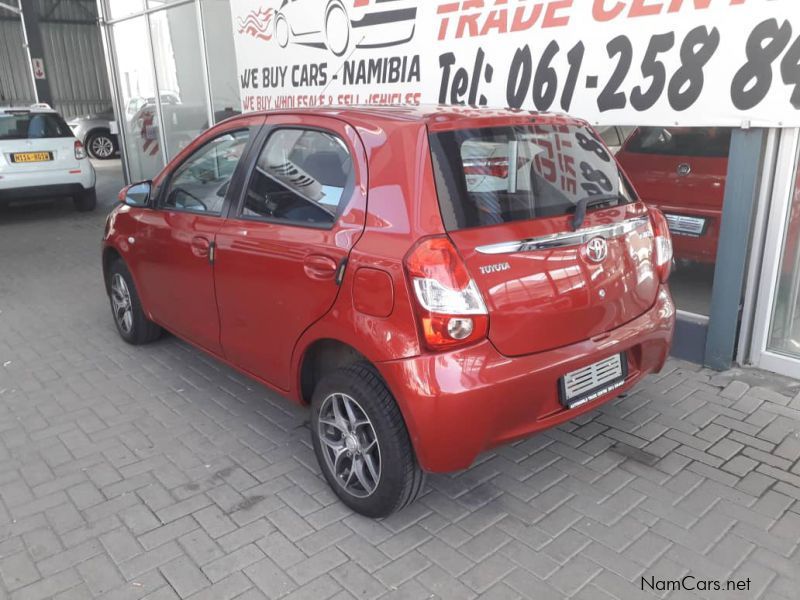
x=433, y=282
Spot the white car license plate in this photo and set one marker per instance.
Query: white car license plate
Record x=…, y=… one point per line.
x=589, y=383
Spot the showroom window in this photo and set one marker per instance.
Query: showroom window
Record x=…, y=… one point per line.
x=175, y=71
x=682, y=171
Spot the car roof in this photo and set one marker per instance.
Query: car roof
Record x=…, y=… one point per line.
x=436, y=117
x=34, y=109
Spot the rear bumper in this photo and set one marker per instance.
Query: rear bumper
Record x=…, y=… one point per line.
x=462, y=403
x=43, y=184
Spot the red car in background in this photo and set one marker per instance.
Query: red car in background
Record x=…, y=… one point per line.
x=432, y=282
x=682, y=171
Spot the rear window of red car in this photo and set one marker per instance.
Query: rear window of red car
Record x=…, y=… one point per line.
x=711, y=142
x=506, y=174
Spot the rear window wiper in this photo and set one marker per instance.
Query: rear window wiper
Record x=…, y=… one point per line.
x=590, y=201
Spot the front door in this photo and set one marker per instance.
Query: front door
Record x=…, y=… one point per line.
x=177, y=270
x=280, y=252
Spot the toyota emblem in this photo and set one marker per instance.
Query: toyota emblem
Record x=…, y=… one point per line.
x=684, y=170
x=597, y=249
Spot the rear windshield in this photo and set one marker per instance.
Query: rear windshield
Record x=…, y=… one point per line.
x=29, y=126
x=710, y=142
x=506, y=174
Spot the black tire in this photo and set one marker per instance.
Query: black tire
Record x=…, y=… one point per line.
x=86, y=200
x=400, y=478
x=142, y=330
x=101, y=145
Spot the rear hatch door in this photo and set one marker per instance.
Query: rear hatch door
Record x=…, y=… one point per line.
x=37, y=142
x=508, y=197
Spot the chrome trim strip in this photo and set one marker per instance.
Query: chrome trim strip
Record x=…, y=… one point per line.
x=570, y=238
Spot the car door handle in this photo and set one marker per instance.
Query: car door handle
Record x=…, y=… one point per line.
x=320, y=267
x=201, y=246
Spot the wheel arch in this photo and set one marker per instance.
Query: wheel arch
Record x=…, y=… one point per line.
x=110, y=254
x=321, y=357
x=98, y=129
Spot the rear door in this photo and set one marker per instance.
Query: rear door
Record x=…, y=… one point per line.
x=280, y=252
x=36, y=142
x=508, y=197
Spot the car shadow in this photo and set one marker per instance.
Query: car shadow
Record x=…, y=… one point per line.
x=51, y=209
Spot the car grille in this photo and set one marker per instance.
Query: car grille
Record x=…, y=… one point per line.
x=584, y=381
x=683, y=225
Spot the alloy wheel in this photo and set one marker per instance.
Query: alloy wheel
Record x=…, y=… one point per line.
x=101, y=147
x=121, y=303
x=350, y=445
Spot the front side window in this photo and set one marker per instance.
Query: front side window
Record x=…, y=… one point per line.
x=302, y=176
x=200, y=183
x=506, y=174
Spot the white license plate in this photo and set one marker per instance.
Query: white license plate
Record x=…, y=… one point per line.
x=683, y=225
x=589, y=383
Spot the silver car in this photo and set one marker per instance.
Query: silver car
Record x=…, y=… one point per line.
x=95, y=131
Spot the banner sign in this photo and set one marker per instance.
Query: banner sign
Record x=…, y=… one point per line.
x=613, y=62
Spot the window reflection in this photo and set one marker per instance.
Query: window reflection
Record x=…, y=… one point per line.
x=682, y=172
x=118, y=9
x=785, y=329
x=179, y=69
x=221, y=56
x=137, y=90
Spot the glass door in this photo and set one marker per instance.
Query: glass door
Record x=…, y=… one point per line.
x=776, y=334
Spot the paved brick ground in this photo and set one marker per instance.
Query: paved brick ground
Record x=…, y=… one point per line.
x=159, y=473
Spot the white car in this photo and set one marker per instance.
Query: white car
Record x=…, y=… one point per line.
x=40, y=157
x=338, y=24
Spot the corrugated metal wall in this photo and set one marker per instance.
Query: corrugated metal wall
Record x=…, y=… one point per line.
x=73, y=57
x=76, y=68
x=15, y=76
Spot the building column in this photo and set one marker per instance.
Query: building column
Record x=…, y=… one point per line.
x=33, y=37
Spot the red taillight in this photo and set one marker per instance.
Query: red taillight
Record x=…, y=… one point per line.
x=450, y=306
x=663, y=244
x=80, y=151
x=492, y=167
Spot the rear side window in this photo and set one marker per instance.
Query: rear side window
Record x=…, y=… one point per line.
x=30, y=126
x=502, y=175
x=302, y=177
x=711, y=142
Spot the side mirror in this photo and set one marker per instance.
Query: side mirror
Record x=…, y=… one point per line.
x=136, y=194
